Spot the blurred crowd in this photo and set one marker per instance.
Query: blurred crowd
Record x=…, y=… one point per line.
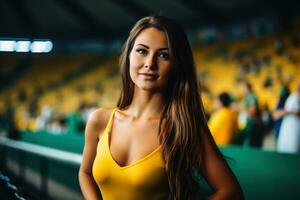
x=235, y=118
x=248, y=124
x=243, y=118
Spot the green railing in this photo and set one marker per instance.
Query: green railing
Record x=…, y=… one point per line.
x=48, y=164
x=262, y=174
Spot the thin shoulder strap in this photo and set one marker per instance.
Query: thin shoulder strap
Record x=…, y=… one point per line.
x=109, y=123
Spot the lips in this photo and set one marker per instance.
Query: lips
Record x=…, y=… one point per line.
x=148, y=76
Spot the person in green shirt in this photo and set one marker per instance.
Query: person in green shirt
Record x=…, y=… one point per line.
x=253, y=131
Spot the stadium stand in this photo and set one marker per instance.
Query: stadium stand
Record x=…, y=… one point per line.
x=73, y=82
x=45, y=99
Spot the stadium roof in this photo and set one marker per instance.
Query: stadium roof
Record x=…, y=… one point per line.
x=107, y=19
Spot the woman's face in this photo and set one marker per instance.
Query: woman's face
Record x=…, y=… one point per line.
x=149, y=59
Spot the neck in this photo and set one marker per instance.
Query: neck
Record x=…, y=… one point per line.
x=146, y=105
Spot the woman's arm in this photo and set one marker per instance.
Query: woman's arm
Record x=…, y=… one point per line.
x=94, y=125
x=218, y=174
x=277, y=114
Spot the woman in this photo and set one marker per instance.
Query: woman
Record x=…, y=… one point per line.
x=289, y=133
x=148, y=147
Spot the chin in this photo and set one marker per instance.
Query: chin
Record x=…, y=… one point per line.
x=148, y=88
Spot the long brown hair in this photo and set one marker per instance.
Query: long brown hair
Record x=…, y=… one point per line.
x=181, y=134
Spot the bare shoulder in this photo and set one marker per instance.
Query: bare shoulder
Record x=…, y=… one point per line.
x=97, y=121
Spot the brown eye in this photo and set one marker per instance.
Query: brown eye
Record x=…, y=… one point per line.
x=142, y=51
x=164, y=55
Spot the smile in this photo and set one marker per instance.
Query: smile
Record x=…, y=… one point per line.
x=148, y=76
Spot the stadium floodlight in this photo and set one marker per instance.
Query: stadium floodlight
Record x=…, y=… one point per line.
x=22, y=46
x=48, y=46
x=7, y=45
x=41, y=46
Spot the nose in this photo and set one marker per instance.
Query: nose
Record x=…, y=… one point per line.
x=151, y=61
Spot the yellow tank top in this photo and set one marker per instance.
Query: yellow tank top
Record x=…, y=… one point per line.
x=145, y=179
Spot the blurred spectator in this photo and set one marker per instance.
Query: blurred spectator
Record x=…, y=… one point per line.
x=278, y=47
x=253, y=132
x=78, y=118
x=266, y=60
x=268, y=81
x=267, y=119
x=32, y=108
x=22, y=96
x=255, y=65
x=82, y=117
x=38, y=92
x=223, y=123
x=289, y=134
x=9, y=122
x=58, y=125
x=250, y=100
x=45, y=117
x=279, y=110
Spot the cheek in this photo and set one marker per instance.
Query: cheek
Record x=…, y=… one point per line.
x=134, y=62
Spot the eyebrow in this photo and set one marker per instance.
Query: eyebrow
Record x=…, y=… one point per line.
x=165, y=48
